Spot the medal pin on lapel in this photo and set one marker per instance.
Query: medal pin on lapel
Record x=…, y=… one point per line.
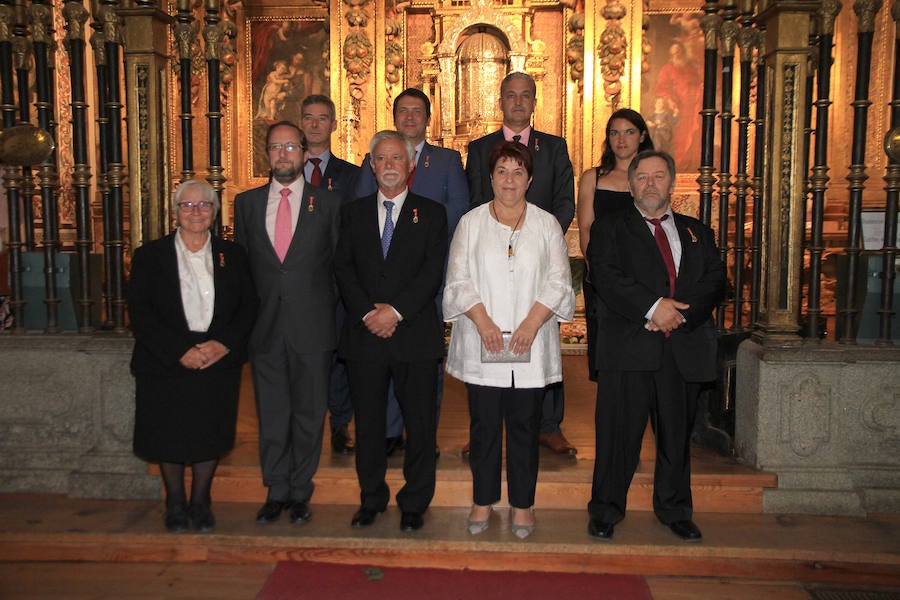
x=312, y=203
x=415, y=215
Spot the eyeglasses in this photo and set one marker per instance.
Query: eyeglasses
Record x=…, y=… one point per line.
x=203, y=205
x=289, y=147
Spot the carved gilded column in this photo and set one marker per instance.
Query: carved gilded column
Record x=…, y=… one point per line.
x=786, y=64
x=185, y=41
x=22, y=59
x=612, y=53
x=145, y=33
x=865, y=11
x=76, y=15
x=711, y=24
x=214, y=34
x=892, y=181
x=729, y=33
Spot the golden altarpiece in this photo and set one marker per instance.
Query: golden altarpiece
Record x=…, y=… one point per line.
x=588, y=57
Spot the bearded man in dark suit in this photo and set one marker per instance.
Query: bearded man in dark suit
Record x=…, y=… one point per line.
x=552, y=188
x=389, y=267
x=658, y=276
x=289, y=229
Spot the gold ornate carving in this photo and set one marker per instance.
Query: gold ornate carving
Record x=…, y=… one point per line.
x=746, y=40
x=98, y=43
x=729, y=34
x=892, y=144
x=21, y=48
x=613, y=52
x=711, y=24
x=40, y=23
x=357, y=57
x=575, y=49
x=76, y=15
x=866, y=10
x=6, y=19
x=186, y=39
x=112, y=25
x=827, y=13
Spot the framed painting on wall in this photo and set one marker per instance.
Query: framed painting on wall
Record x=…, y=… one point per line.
x=289, y=60
x=672, y=86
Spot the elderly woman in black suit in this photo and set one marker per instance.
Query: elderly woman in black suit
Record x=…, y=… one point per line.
x=192, y=304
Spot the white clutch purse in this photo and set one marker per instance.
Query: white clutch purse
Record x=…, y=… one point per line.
x=505, y=355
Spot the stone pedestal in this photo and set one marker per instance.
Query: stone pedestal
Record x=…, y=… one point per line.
x=826, y=419
x=67, y=417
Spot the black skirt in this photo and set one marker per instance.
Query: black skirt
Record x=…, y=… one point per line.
x=188, y=418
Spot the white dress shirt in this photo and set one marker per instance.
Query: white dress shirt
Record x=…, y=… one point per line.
x=480, y=270
x=274, y=200
x=195, y=274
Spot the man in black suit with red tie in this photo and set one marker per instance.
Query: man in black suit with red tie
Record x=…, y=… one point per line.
x=326, y=171
x=658, y=276
x=389, y=266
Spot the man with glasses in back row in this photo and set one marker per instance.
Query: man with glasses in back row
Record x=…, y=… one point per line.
x=290, y=230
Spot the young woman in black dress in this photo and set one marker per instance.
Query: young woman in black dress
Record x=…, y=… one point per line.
x=603, y=191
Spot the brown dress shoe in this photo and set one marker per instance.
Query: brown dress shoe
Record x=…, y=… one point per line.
x=557, y=442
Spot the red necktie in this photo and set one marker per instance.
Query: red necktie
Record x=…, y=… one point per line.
x=283, y=232
x=663, y=243
x=412, y=175
x=316, y=177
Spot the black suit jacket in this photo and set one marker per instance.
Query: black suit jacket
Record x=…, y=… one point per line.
x=297, y=297
x=340, y=177
x=629, y=275
x=407, y=279
x=552, y=187
x=157, y=314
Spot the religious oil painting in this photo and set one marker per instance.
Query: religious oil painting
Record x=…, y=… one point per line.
x=289, y=60
x=672, y=89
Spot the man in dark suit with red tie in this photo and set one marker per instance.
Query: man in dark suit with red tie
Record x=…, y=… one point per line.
x=325, y=170
x=389, y=266
x=552, y=188
x=658, y=276
x=290, y=229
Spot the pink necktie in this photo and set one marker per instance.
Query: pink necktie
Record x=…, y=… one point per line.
x=283, y=225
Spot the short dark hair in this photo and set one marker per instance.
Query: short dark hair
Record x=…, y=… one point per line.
x=670, y=162
x=519, y=75
x=318, y=99
x=293, y=126
x=512, y=150
x=414, y=93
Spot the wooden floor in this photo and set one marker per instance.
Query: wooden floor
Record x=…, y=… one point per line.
x=56, y=547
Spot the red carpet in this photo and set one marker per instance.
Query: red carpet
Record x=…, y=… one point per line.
x=322, y=581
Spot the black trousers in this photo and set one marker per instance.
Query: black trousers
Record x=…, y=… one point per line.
x=624, y=401
x=520, y=410
x=415, y=386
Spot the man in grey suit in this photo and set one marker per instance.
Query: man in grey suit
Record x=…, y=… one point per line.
x=437, y=175
x=552, y=188
x=325, y=170
x=290, y=231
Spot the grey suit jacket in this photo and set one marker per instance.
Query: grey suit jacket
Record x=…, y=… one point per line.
x=297, y=297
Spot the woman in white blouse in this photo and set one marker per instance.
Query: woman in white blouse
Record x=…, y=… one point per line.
x=192, y=304
x=508, y=283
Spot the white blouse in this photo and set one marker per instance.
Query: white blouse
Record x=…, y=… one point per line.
x=198, y=293
x=480, y=270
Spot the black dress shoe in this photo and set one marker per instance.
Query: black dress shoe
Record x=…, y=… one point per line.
x=271, y=511
x=600, y=530
x=686, y=530
x=411, y=521
x=392, y=444
x=300, y=512
x=202, y=518
x=364, y=517
x=340, y=440
x=177, y=518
